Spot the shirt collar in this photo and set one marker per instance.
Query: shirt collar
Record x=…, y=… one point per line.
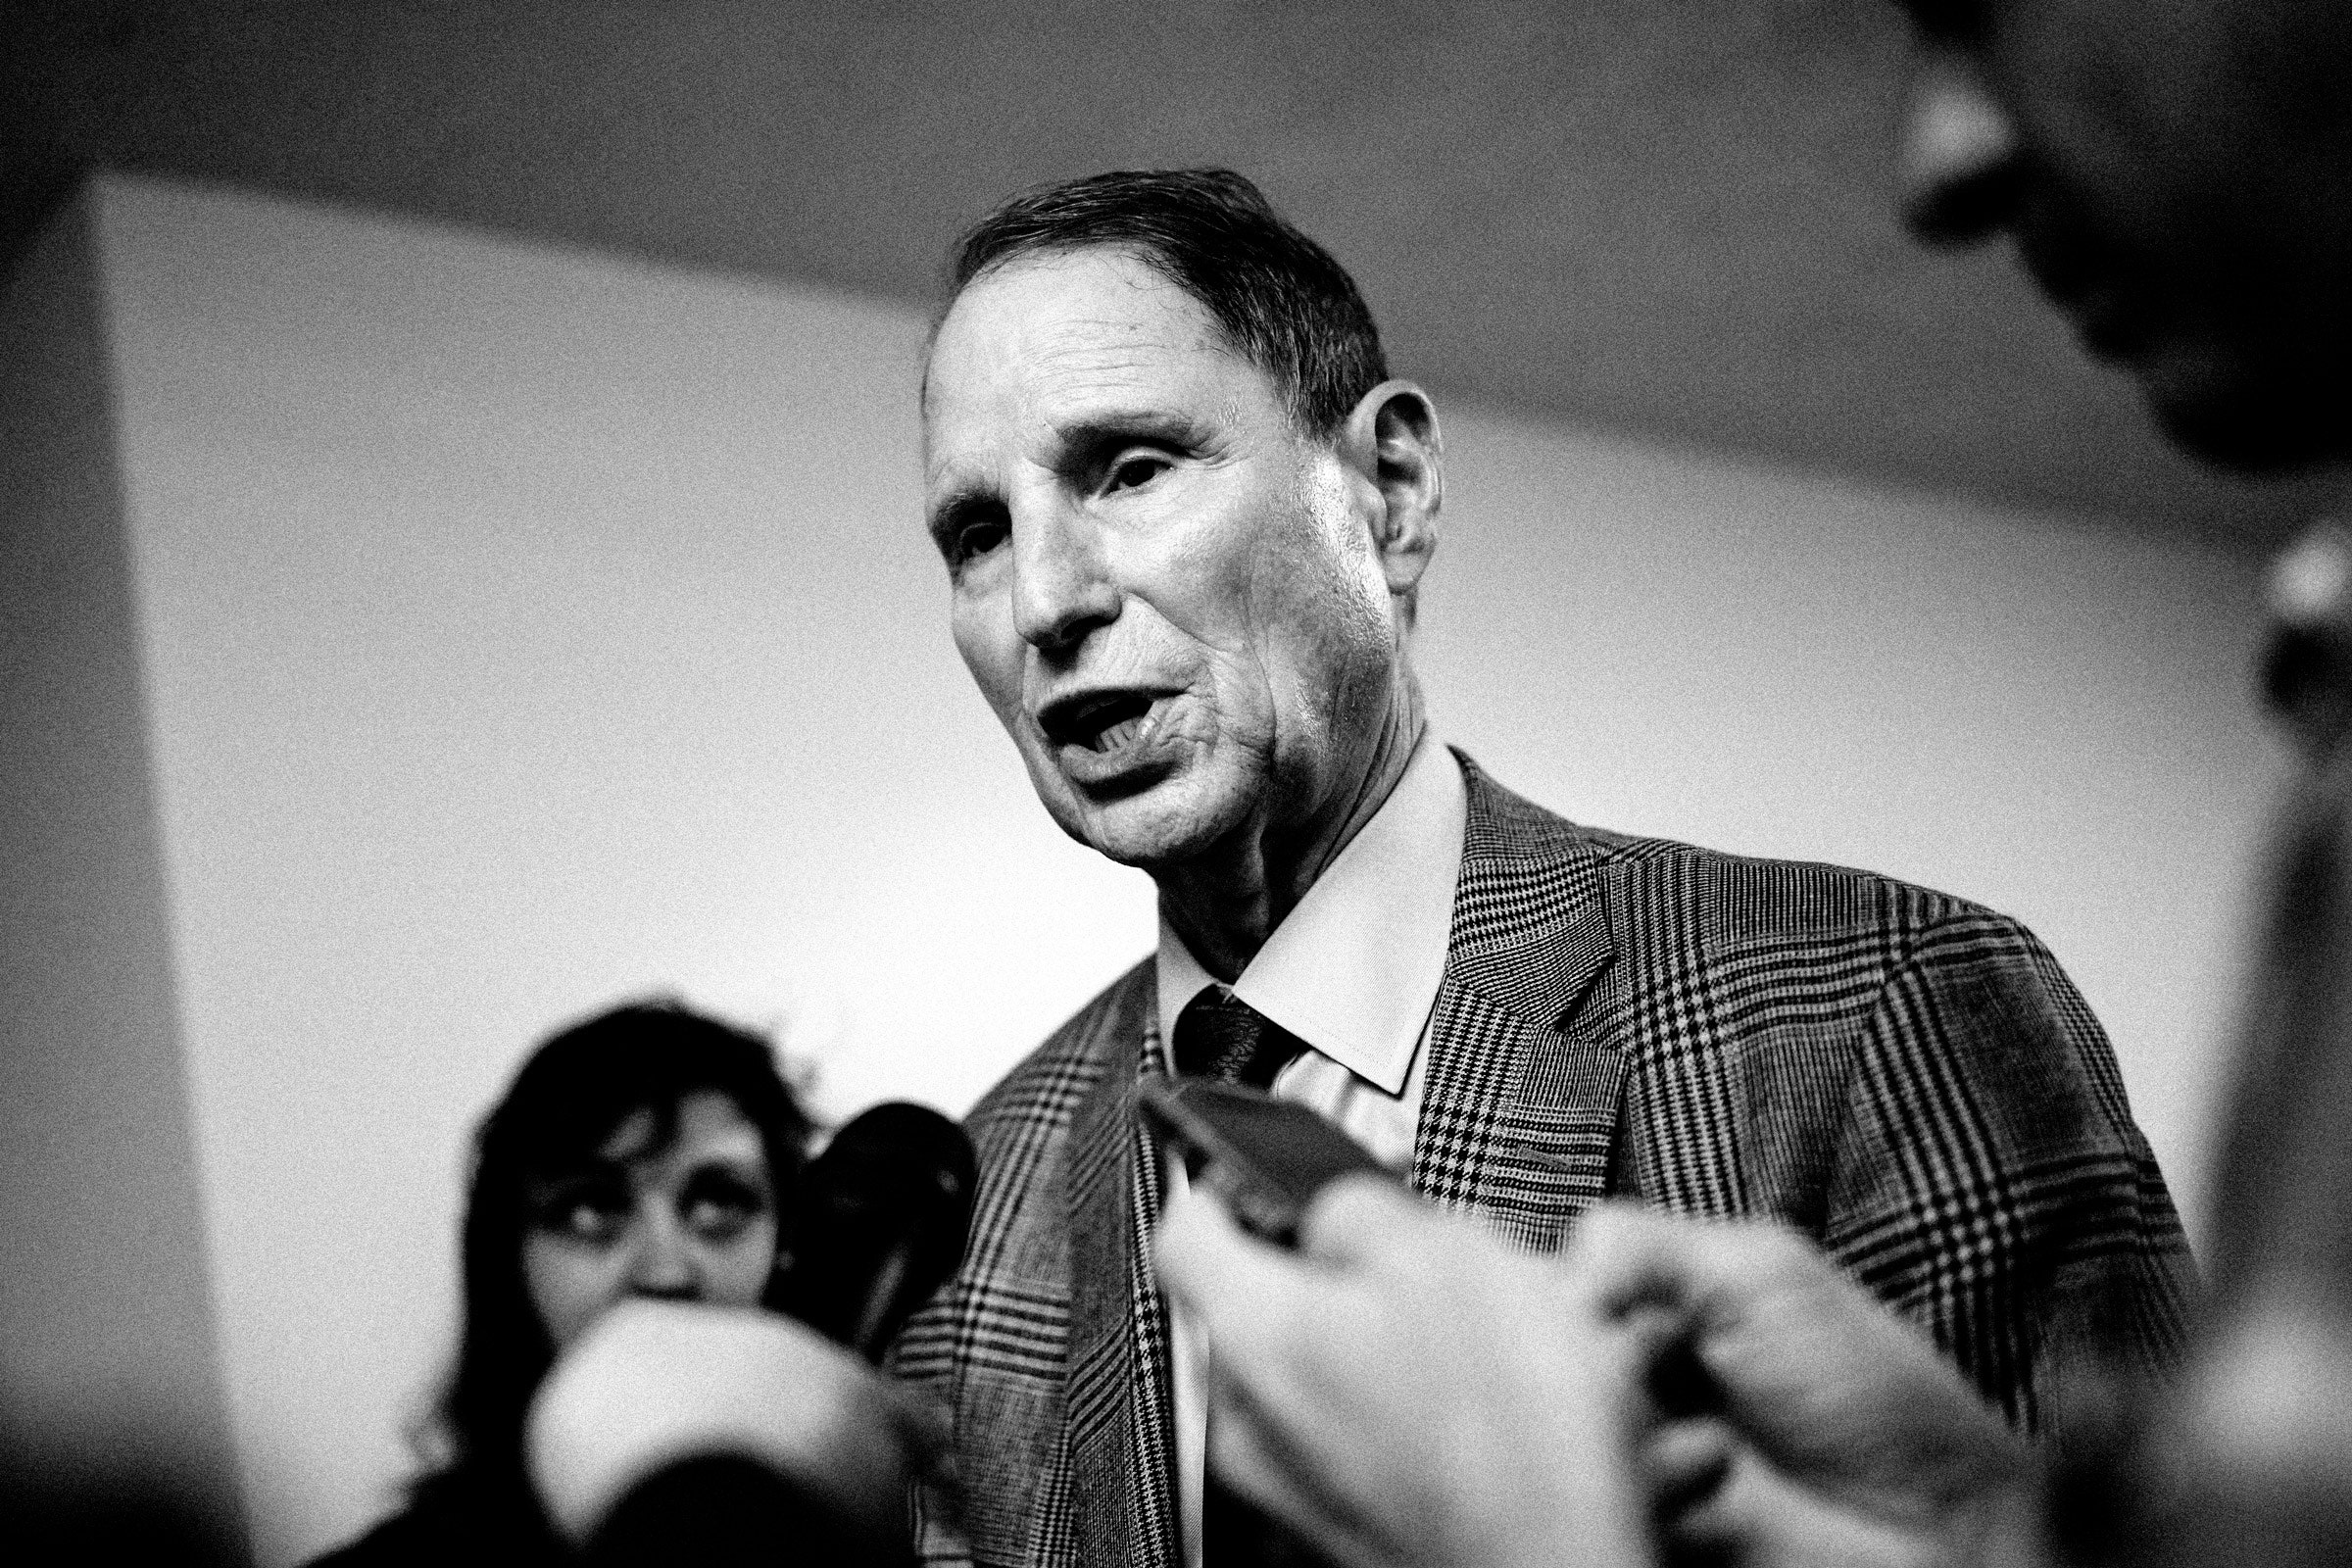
x=1354, y=969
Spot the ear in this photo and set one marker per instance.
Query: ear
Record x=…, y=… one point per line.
x=1390, y=441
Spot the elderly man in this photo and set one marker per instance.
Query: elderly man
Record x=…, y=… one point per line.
x=1186, y=515
x=2177, y=176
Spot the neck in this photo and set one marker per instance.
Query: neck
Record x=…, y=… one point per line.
x=1226, y=903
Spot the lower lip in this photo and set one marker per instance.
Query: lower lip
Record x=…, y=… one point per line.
x=2102, y=320
x=1135, y=761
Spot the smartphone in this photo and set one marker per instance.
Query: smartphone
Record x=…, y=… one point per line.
x=1265, y=1157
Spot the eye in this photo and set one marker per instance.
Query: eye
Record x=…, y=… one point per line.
x=719, y=1207
x=594, y=1214
x=969, y=527
x=978, y=537
x=1135, y=469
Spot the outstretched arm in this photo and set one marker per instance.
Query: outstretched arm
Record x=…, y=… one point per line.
x=1408, y=1390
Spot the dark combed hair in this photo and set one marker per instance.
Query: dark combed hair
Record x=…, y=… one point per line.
x=1281, y=300
x=563, y=1105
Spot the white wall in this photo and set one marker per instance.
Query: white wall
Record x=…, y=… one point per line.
x=527, y=629
x=2056, y=718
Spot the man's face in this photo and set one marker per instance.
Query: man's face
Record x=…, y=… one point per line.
x=1168, y=594
x=2177, y=176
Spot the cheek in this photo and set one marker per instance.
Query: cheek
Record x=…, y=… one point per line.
x=736, y=1273
x=991, y=650
x=569, y=1285
x=1327, y=624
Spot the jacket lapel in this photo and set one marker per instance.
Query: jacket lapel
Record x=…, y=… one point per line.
x=1524, y=1084
x=1520, y=1113
x=1118, y=1422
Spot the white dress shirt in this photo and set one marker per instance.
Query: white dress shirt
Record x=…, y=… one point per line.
x=1354, y=971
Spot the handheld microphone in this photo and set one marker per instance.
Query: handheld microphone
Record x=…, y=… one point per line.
x=878, y=1223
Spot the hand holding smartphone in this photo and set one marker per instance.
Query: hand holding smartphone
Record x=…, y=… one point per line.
x=1266, y=1158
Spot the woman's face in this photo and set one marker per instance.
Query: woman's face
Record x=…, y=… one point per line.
x=693, y=1219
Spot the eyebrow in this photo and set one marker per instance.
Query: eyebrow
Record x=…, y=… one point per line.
x=561, y=1178
x=744, y=1168
x=1119, y=427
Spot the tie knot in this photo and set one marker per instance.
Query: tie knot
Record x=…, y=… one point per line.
x=1220, y=1036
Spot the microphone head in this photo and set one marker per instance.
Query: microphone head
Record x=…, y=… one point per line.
x=878, y=1223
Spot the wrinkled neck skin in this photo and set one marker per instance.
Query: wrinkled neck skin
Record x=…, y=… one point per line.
x=1225, y=903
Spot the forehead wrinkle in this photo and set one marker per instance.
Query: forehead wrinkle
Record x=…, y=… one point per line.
x=1054, y=364
x=1084, y=362
x=1051, y=384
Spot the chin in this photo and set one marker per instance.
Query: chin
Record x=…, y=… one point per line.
x=2246, y=416
x=2255, y=438
x=1170, y=823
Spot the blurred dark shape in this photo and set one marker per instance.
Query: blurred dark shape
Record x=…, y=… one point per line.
x=80, y=1510
x=2282, y=1206
x=878, y=1225
x=2307, y=669
x=723, y=1511
x=2249, y=1461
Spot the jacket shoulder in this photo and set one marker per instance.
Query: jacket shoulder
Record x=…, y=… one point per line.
x=1732, y=897
x=1044, y=1086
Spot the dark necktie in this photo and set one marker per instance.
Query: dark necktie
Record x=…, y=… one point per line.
x=1220, y=1036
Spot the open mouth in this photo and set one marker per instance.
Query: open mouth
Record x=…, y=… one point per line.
x=1100, y=721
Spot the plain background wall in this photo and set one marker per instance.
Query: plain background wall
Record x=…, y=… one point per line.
x=529, y=629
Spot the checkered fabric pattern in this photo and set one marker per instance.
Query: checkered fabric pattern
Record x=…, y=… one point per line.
x=1902, y=1075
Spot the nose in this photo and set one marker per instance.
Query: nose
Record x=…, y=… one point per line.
x=1062, y=586
x=1962, y=164
x=665, y=1263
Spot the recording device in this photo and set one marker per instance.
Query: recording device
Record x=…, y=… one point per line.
x=878, y=1223
x=1266, y=1158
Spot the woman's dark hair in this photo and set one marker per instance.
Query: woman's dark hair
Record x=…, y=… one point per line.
x=563, y=1106
x=1281, y=300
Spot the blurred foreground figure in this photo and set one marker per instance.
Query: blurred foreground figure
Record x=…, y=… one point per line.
x=643, y=1154
x=2178, y=177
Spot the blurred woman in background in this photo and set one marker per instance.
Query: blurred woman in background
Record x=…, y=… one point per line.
x=646, y=1152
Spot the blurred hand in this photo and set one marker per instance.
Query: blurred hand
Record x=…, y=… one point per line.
x=2252, y=1462
x=1408, y=1389
x=653, y=1382
x=1853, y=1440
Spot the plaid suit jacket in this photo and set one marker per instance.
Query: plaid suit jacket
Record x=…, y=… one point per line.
x=1905, y=1076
